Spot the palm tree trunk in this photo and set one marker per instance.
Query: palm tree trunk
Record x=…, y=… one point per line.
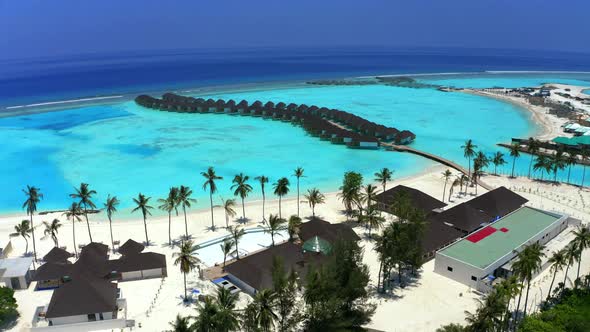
x=111, y=228
x=280, y=215
x=379, y=275
x=583, y=176
x=495, y=172
x=526, y=299
x=513, y=163
x=243, y=210
x=226, y=220
x=74, y=235
x=263, y=203
x=33, y=234
x=469, y=166
x=224, y=258
x=579, y=263
x=170, y=228
x=211, y=200
x=565, y=276
x=551, y=286
x=313, y=210
x=237, y=251
x=444, y=191
x=88, y=225
x=298, y=197
x=26, y=245
x=514, y=321
x=184, y=276
x=568, y=173
x=272, y=237
x=530, y=165
x=147, y=241
x=185, y=223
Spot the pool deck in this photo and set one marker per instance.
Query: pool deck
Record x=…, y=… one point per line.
x=500, y=238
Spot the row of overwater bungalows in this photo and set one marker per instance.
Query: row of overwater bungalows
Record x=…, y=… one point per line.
x=337, y=126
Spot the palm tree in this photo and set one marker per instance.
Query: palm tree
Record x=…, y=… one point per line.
x=281, y=188
x=168, y=205
x=236, y=233
x=558, y=162
x=110, y=206
x=463, y=179
x=314, y=197
x=446, y=176
x=34, y=196
x=384, y=176
x=482, y=160
x=527, y=263
x=141, y=203
x=241, y=188
x=23, y=229
x=453, y=185
x=571, y=254
x=275, y=225
x=570, y=160
x=372, y=219
x=582, y=242
x=211, y=177
x=293, y=226
x=263, y=181
x=84, y=194
x=51, y=229
x=369, y=194
x=514, y=153
x=227, y=317
x=298, y=173
x=498, y=160
x=226, y=246
x=261, y=311
x=185, y=200
x=181, y=324
x=585, y=155
x=228, y=207
x=541, y=164
x=469, y=152
x=532, y=148
x=74, y=212
x=558, y=260
x=187, y=260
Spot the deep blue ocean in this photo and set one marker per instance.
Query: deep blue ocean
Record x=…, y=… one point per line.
x=35, y=80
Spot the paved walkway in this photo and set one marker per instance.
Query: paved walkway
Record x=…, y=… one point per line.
x=405, y=148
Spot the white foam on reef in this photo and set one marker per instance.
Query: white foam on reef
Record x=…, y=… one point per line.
x=63, y=102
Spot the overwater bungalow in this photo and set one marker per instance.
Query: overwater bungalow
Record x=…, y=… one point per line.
x=269, y=104
x=405, y=137
x=302, y=108
x=281, y=105
x=219, y=106
x=229, y=106
x=292, y=107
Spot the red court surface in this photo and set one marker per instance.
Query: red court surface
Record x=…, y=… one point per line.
x=476, y=237
x=504, y=229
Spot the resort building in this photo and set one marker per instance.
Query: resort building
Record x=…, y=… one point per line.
x=479, y=258
x=480, y=211
x=15, y=273
x=5, y=248
x=419, y=200
x=86, y=296
x=443, y=227
x=253, y=273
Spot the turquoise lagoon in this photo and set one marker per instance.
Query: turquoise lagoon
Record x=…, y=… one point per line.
x=123, y=149
x=506, y=80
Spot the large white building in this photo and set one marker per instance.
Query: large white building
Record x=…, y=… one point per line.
x=478, y=258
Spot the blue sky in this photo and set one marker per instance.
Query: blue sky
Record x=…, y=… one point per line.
x=31, y=28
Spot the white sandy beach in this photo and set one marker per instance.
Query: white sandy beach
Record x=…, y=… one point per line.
x=433, y=301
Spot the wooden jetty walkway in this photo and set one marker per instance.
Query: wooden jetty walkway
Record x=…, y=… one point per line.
x=441, y=160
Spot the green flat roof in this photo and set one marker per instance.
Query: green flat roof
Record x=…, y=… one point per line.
x=522, y=225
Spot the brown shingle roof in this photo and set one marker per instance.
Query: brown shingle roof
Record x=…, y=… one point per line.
x=57, y=255
x=137, y=262
x=131, y=247
x=437, y=235
x=83, y=296
x=256, y=269
x=327, y=231
x=418, y=199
